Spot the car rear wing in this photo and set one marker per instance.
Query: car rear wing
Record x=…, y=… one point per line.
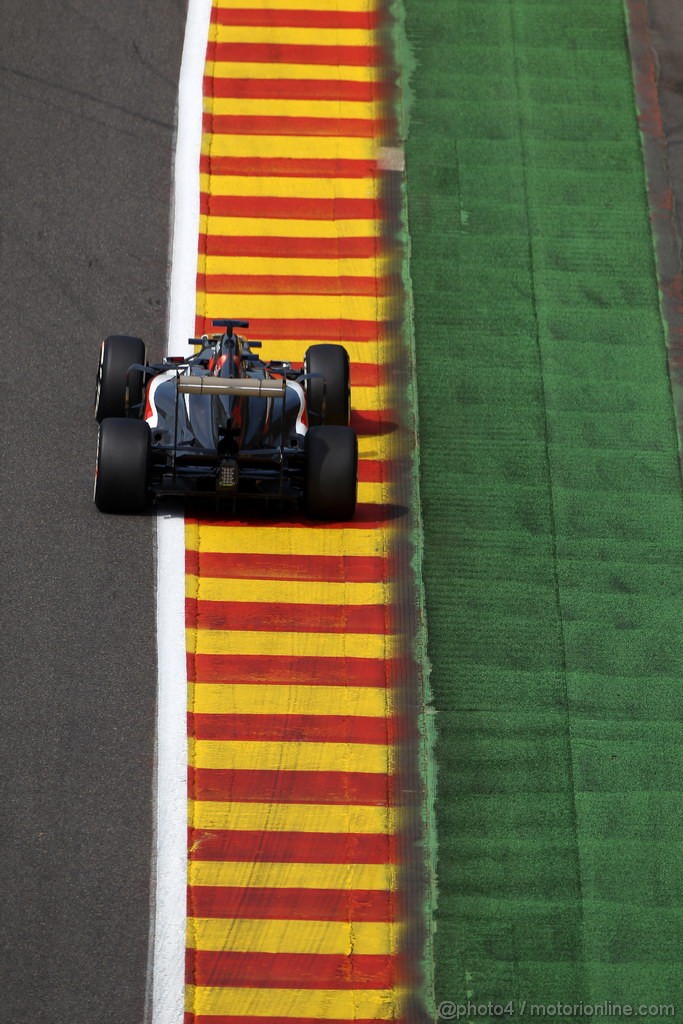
x=247, y=387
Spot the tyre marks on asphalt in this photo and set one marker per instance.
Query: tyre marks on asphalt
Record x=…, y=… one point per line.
x=295, y=655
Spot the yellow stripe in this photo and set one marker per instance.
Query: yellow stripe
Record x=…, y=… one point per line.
x=376, y=493
x=294, y=307
x=287, y=592
x=357, y=6
x=285, y=227
x=246, y=936
x=320, y=1003
x=274, y=539
x=315, y=72
x=276, y=35
x=261, y=698
x=274, y=817
x=291, y=645
x=267, y=756
x=322, y=147
x=304, y=188
x=381, y=448
x=286, y=266
x=219, y=105
x=242, y=874
x=376, y=352
x=370, y=399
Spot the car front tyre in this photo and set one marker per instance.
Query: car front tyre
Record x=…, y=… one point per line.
x=328, y=393
x=114, y=382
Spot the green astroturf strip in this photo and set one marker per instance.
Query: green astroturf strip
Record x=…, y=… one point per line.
x=553, y=563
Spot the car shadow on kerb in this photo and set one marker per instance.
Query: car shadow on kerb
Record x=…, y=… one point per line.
x=256, y=513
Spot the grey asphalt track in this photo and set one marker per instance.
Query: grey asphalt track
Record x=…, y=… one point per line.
x=87, y=110
x=666, y=28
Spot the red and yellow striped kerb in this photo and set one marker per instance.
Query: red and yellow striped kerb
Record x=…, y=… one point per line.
x=293, y=895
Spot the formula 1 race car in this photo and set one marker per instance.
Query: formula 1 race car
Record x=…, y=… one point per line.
x=224, y=424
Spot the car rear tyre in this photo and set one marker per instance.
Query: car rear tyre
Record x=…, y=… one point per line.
x=123, y=460
x=328, y=396
x=117, y=354
x=331, y=472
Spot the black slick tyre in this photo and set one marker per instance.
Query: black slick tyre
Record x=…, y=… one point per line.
x=117, y=355
x=331, y=472
x=328, y=396
x=123, y=460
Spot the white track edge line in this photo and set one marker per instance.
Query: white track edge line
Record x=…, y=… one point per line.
x=167, y=928
x=186, y=190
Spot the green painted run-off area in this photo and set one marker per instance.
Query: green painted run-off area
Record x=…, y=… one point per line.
x=552, y=509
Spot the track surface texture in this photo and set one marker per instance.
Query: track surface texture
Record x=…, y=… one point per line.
x=554, y=527
x=87, y=114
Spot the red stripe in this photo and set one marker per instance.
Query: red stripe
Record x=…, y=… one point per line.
x=290, y=970
x=244, y=785
x=254, y=284
x=290, y=208
x=303, y=248
x=293, y=89
x=292, y=847
x=296, y=19
x=273, y=669
x=287, y=618
x=332, y=568
x=366, y=374
x=290, y=904
x=300, y=167
x=295, y=53
x=292, y=728
x=372, y=471
x=306, y=330
x=319, y=127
